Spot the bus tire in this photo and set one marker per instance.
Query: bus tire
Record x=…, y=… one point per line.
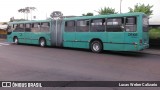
x=96, y=46
x=15, y=40
x=42, y=42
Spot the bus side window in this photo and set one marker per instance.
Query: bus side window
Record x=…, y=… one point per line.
x=27, y=27
x=18, y=28
x=32, y=25
x=82, y=26
x=70, y=26
x=98, y=25
x=131, y=24
x=21, y=27
x=35, y=27
x=45, y=27
x=115, y=24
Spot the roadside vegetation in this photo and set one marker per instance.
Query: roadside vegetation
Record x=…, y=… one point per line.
x=154, y=33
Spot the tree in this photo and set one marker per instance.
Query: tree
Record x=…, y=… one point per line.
x=22, y=10
x=88, y=14
x=106, y=10
x=26, y=11
x=142, y=8
x=32, y=9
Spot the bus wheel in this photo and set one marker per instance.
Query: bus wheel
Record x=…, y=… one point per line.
x=96, y=46
x=15, y=40
x=42, y=42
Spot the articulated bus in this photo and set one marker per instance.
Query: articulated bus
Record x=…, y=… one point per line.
x=117, y=32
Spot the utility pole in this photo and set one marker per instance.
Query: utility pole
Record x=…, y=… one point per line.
x=120, y=5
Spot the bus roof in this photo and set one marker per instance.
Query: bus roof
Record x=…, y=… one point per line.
x=31, y=21
x=104, y=16
x=83, y=17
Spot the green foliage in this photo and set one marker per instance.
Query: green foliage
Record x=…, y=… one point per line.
x=106, y=10
x=142, y=8
x=88, y=14
x=26, y=10
x=154, y=33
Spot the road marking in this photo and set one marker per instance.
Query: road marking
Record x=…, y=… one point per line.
x=4, y=44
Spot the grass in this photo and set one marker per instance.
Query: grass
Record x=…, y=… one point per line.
x=154, y=33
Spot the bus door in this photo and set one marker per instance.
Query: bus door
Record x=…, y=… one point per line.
x=28, y=35
x=131, y=33
x=56, y=33
x=82, y=34
x=115, y=34
x=20, y=33
x=69, y=33
x=34, y=33
x=145, y=38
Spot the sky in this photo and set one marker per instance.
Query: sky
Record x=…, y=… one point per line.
x=9, y=8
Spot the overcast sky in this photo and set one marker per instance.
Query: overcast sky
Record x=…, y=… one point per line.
x=9, y=8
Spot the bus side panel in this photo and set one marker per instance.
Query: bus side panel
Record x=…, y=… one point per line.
x=84, y=38
x=28, y=37
x=81, y=40
x=36, y=36
x=9, y=38
x=47, y=36
x=131, y=41
x=115, y=41
x=19, y=35
x=68, y=39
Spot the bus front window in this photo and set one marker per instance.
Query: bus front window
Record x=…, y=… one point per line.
x=9, y=30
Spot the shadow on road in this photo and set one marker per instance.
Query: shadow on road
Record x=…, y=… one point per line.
x=125, y=53
x=130, y=54
x=120, y=53
x=155, y=47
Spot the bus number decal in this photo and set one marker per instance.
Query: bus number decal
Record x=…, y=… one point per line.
x=132, y=34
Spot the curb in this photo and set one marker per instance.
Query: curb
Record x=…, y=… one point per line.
x=152, y=52
x=2, y=39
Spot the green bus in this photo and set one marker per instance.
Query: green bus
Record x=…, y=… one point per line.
x=117, y=32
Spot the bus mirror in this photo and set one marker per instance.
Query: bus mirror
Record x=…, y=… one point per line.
x=8, y=27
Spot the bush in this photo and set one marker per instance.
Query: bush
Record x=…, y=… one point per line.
x=154, y=33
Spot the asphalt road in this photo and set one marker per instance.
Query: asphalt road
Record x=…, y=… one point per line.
x=33, y=63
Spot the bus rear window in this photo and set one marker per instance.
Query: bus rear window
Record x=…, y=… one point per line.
x=145, y=24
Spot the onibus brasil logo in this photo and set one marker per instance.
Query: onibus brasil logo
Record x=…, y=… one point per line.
x=20, y=84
